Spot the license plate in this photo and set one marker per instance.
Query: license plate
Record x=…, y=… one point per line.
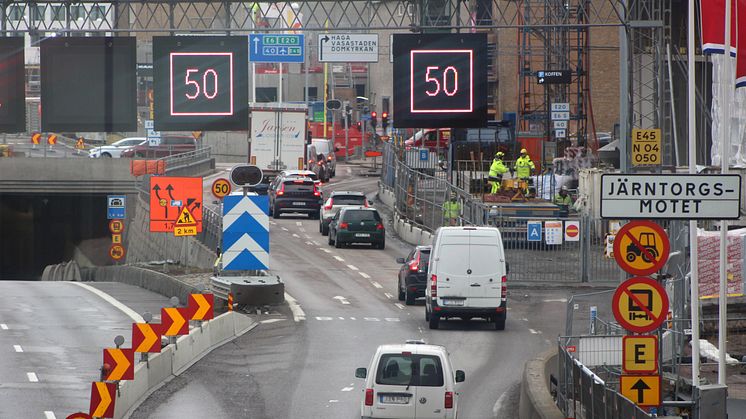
x=453, y=302
x=299, y=203
x=362, y=234
x=395, y=399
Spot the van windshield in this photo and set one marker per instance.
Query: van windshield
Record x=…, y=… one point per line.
x=416, y=370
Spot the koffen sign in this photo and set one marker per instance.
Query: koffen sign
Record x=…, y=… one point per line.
x=691, y=197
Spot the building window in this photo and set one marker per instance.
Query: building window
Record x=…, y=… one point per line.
x=313, y=93
x=58, y=13
x=15, y=13
x=266, y=94
x=484, y=12
x=97, y=12
x=77, y=12
x=37, y=12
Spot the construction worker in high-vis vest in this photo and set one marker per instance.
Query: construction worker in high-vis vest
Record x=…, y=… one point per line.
x=523, y=168
x=497, y=169
x=451, y=211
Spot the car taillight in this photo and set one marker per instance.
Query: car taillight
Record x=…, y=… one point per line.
x=449, y=400
x=379, y=226
x=343, y=226
x=329, y=158
x=369, y=397
x=316, y=191
x=366, y=203
x=504, y=287
x=434, y=286
x=282, y=190
x=331, y=204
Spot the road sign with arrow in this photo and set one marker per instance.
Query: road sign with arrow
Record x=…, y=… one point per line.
x=348, y=47
x=165, y=191
x=643, y=390
x=282, y=48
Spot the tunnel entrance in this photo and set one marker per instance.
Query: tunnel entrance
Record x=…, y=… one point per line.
x=40, y=230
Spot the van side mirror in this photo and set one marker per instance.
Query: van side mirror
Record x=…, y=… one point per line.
x=460, y=376
x=399, y=260
x=361, y=373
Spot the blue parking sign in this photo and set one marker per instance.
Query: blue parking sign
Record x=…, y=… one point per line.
x=424, y=154
x=533, y=231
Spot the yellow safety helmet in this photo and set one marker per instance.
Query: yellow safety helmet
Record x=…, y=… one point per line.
x=523, y=151
x=499, y=154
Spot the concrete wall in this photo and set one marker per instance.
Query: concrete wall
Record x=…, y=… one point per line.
x=229, y=147
x=536, y=401
x=408, y=232
x=175, y=359
x=66, y=175
x=144, y=246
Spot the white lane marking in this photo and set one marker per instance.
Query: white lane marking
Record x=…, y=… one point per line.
x=284, y=228
x=324, y=318
x=325, y=250
x=315, y=243
x=3, y=326
x=420, y=328
x=48, y=414
x=349, y=170
x=309, y=243
x=364, y=275
x=32, y=377
x=371, y=319
x=333, y=401
x=524, y=319
x=296, y=236
x=273, y=223
x=268, y=321
x=18, y=348
x=535, y=332
x=401, y=307
x=132, y=314
x=341, y=299
x=298, y=313
x=376, y=284
x=302, y=230
x=341, y=318
x=298, y=223
x=392, y=319
x=498, y=407
x=307, y=236
x=348, y=388
x=353, y=267
x=339, y=258
x=389, y=296
x=556, y=300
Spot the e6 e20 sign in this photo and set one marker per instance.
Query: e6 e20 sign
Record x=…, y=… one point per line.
x=440, y=80
x=200, y=83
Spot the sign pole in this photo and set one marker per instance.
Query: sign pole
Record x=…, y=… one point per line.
x=693, y=256
x=253, y=82
x=279, y=86
x=347, y=136
x=726, y=87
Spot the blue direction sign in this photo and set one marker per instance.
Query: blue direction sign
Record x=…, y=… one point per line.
x=115, y=207
x=279, y=48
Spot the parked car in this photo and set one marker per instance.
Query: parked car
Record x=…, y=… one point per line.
x=326, y=148
x=413, y=380
x=357, y=225
x=300, y=173
x=116, y=148
x=295, y=194
x=467, y=276
x=169, y=145
x=338, y=200
x=413, y=274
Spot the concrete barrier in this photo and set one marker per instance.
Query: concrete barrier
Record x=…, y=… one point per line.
x=406, y=231
x=175, y=359
x=536, y=401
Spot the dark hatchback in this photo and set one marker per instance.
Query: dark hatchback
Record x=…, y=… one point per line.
x=357, y=225
x=413, y=274
x=295, y=194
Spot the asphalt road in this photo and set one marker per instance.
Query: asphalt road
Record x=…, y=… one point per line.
x=303, y=367
x=52, y=335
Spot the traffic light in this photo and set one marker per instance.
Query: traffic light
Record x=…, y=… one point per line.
x=373, y=119
x=384, y=121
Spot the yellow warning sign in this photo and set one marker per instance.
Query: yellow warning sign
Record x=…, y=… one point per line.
x=185, y=230
x=643, y=390
x=640, y=354
x=646, y=147
x=185, y=218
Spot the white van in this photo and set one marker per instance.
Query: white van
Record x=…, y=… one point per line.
x=414, y=380
x=467, y=276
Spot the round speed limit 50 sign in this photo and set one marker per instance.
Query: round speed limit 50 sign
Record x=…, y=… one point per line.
x=221, y=188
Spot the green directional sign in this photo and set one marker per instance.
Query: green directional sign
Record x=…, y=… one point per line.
x=276, y=48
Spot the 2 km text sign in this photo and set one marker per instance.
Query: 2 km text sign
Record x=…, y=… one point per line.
x=691, y=197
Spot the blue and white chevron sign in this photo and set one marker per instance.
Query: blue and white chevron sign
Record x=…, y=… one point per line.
x=245, y=233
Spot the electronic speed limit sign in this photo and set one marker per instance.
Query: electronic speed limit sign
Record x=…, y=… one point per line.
x=646, y=147
x=221, y=187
